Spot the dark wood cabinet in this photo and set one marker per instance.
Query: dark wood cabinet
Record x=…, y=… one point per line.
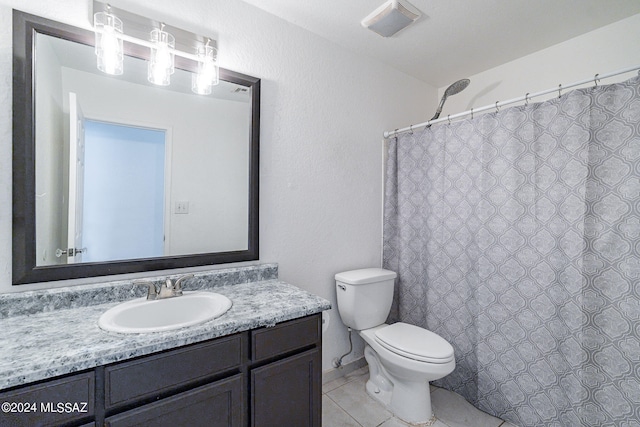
x=285, y=393
x=152, y=377
x=266, y=377
x=180, y=387
x=62, y=401
x=285, y=337
x=218, y=404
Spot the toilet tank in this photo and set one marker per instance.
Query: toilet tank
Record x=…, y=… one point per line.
x=364, y=296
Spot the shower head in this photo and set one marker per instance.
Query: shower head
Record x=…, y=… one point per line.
x=453, y=89
x=456, y=87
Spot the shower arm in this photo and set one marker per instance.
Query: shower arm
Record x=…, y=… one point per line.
x=439, y=109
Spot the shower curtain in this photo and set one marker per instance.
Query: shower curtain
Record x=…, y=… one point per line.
x=516, y=237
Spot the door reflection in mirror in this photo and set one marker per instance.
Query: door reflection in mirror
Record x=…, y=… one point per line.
x=76, y=181
x=124, y=195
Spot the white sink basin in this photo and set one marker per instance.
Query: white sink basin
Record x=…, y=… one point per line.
x=140, y=315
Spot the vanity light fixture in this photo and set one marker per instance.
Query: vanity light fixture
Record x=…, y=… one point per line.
x=207, y=76
x=108, y=28
x=109, y=33
x=161, y=65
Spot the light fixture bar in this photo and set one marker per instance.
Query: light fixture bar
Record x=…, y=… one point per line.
x=149, y=44
x=138, y=28
x=157, y=42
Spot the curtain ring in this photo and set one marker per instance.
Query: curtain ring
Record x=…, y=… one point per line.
x=560, y=91
x=596, y=79
x=497, y=108
x=411, y=130
x=526, y=100
x=449, y=119
x=472, y=114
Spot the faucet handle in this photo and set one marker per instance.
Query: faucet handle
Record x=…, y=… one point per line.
x=152, y=293
x=166, y=290
x=177, y=287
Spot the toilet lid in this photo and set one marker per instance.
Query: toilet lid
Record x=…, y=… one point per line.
x=415, y=343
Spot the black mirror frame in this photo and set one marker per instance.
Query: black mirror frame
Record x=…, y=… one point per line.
x=24, y=268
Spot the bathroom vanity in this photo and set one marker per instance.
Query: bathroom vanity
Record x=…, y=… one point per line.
x=258, y=365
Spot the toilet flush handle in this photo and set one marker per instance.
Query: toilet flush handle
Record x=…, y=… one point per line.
x=343, y=287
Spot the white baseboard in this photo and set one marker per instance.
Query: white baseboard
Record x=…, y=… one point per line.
x=335, y=373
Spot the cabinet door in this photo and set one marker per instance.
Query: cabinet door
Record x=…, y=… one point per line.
x=287, y=392
x=56, y=402
x=218, y=404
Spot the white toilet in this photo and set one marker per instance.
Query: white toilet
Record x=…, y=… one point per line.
x=402, y=358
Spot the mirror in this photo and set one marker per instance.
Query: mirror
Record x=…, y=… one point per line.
x=113, y=174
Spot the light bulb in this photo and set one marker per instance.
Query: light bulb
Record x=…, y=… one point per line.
x=111, y=51
x=207, y=75
x=108, y=45
x=161, y=64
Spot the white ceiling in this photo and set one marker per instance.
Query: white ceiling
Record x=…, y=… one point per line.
x=454, y=38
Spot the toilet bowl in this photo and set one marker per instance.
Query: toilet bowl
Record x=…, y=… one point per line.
x=397, y=379
x=402, y=358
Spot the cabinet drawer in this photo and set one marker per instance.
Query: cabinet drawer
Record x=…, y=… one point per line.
x=51, y=403
x=285, y=337
x=153, y=376
x=219, y=404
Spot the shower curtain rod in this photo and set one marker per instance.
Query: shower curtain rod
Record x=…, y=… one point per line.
x=499, y=104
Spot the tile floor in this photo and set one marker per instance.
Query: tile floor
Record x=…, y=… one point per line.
x=345, y=403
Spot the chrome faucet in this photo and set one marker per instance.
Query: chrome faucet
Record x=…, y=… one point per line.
x=167, y=290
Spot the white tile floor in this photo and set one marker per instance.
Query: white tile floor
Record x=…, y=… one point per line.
x=345, y=403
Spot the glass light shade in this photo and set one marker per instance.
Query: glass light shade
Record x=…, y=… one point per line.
x=161, y=64
x=207, y=76
x=108, y=29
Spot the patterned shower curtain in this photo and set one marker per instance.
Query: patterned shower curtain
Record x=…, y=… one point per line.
x=516, y=237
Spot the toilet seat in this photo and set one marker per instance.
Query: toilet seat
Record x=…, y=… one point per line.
x=415, y=343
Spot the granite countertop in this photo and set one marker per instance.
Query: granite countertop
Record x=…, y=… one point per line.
x=47, y=344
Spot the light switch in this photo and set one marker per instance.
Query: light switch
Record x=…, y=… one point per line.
x=181, y=208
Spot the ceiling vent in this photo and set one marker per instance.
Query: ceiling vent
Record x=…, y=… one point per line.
x=391, y=17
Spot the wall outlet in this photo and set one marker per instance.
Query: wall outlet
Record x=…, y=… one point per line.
x=181, y=208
